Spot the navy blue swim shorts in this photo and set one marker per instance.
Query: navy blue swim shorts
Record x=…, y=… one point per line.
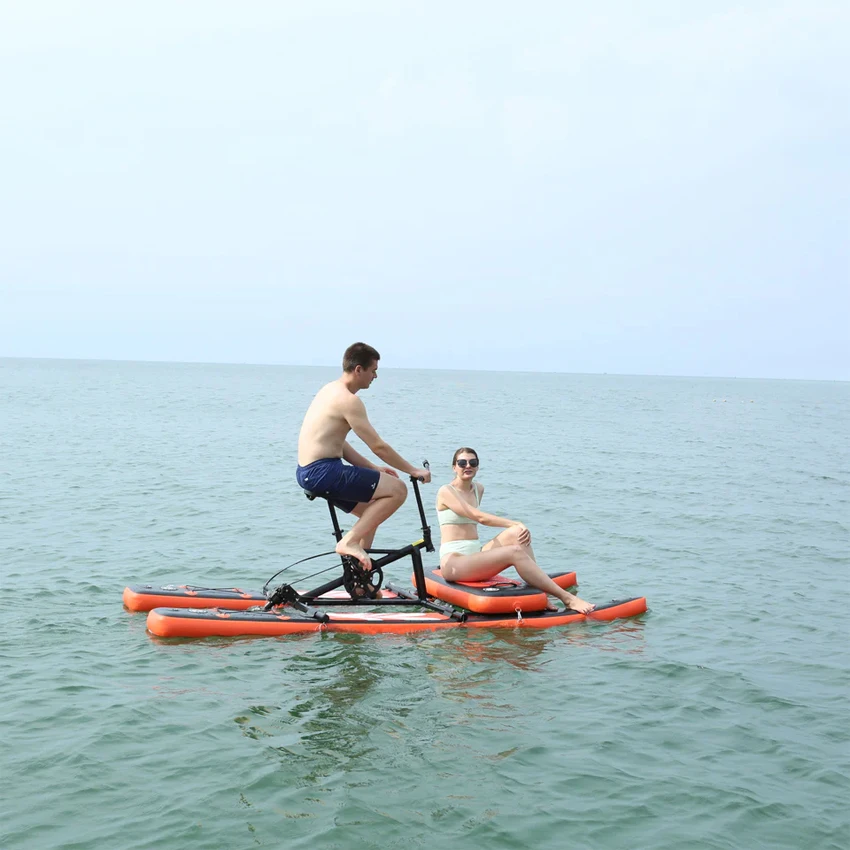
x=343, y=485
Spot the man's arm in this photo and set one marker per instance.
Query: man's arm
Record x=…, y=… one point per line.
x=352, y=456
x=355, y=415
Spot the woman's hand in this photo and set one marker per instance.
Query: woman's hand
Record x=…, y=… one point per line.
x=523, y=534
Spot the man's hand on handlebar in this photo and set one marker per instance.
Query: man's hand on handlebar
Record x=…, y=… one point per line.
x=424, y=475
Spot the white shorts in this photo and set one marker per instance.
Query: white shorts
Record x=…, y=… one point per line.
x=459, y=547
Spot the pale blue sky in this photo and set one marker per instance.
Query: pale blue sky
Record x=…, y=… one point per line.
x=554, y=186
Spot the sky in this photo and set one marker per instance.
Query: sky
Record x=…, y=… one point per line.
x=654, y=188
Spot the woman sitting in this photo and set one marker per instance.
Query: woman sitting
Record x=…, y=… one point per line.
x=463, y=558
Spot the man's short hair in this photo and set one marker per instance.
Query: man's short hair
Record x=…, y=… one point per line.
x=359, y=354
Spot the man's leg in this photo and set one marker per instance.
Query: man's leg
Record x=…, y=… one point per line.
x=367, y=540
x=389, y=497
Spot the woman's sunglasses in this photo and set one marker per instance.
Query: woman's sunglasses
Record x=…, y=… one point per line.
x=473, y=462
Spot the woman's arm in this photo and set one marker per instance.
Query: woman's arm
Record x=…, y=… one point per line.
x=449, y=499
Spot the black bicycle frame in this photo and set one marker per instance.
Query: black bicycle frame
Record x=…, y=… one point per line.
x=309, y=601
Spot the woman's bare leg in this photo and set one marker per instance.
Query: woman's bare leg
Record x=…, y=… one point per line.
x=478, y=567
x=487, y=563
x=508, y=537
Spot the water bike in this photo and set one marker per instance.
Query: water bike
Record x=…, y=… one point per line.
x=433, y=603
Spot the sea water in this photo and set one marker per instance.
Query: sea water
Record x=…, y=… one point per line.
x=719, y=719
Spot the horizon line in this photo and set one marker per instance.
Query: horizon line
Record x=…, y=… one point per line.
x=419, y=368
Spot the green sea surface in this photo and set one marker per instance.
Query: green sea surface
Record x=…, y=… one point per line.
x=719, y=719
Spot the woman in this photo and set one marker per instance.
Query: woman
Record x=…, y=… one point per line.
x=463, y=558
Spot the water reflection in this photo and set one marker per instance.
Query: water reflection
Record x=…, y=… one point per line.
x=525, y=649
x=356, y=724
x=350, y=705
x=326, y=719
x=620, y=636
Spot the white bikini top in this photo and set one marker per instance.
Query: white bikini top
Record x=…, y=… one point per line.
x=449, y=517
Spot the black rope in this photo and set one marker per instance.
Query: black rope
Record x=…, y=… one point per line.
x=295, y=564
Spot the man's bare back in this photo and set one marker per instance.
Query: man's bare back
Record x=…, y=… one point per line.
x=325, y=425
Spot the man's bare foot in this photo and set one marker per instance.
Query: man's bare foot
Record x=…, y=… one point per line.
x=346, y=547
x=575, y=604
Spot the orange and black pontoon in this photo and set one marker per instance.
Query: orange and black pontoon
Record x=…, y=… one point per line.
x=220, y=622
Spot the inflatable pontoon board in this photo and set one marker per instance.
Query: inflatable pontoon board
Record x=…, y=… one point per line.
x=207, y=622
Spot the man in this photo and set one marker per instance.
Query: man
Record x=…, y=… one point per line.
x=372, y=493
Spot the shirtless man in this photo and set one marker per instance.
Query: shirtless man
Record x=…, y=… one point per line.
x=372, y=493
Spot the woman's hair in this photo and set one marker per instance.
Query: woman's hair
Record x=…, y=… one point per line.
x=359, y=354
x=461, y=450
